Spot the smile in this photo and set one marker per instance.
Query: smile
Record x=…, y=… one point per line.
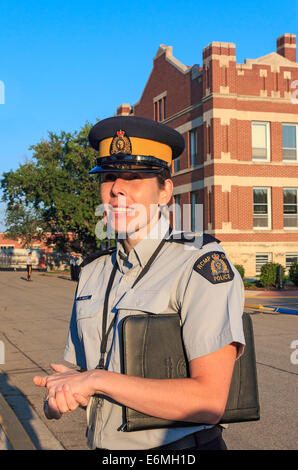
x=123, y=210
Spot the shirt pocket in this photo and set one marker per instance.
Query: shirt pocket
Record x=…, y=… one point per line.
x=147, y=301
x=88, y=306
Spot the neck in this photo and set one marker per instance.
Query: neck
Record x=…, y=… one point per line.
x=131, y=240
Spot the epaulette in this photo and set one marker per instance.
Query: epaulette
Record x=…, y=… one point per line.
x=188, y=237
x=97, y=254
x=209, y=239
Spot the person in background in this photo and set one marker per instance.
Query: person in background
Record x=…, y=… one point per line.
x=29, y=266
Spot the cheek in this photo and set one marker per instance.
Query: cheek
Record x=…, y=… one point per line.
x=105, y=193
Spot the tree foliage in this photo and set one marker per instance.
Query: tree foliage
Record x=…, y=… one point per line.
x=271, y=273
x=24, y=223
x=56, y=183
x=294, y=273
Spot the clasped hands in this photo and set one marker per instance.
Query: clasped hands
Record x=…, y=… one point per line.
x=67, y=389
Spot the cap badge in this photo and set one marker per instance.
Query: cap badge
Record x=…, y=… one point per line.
x=120, y=143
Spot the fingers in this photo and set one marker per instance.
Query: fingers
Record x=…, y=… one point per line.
x=83, y=401
x=40, y=381
x=51, y=410
x=65, y=399
x=60, y=368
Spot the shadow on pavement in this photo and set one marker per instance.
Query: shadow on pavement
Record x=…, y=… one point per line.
x=21, y=408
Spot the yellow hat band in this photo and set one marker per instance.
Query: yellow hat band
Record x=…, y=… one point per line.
x=139, y=146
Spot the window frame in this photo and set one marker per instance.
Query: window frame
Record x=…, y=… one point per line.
x=269, y=212
x=290, y=255
x=268, y=139
x=159, y=107
x=293, y=189
x=176, y=165
x=193, y=156
x=264, y=254
x=289, y=124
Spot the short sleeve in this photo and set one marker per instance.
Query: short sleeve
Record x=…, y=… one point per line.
x=74, y=351
x=212, y=313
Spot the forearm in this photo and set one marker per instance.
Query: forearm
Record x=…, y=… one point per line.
x=173, y=399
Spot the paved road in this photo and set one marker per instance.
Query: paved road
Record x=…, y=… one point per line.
x=34, y=320
x=285, y=299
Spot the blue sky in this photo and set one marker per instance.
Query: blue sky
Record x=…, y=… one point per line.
x=63, y=63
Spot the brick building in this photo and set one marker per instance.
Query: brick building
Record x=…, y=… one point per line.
x=240, y=125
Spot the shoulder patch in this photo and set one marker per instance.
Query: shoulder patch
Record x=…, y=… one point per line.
x=214, y=267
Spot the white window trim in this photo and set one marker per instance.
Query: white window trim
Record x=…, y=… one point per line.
x=268, y=153
x=269, y=259
x=288, y=255
x=269, y=227
x=294, y=125
x=159, y=97
x=291, y=228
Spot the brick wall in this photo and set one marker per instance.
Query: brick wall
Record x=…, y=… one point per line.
x=221, y=99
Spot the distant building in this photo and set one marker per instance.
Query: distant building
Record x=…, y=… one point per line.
x=12, y=253
x=241, y=159
x=7, y=244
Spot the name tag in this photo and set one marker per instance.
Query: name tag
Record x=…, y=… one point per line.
x=84, y=297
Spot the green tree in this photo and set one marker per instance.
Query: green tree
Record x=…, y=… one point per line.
x=24, y=223
x=294, y=273
x=270, y=274
x=56, y=183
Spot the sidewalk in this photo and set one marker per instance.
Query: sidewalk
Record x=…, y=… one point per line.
x=272, y=293
x=34, y=325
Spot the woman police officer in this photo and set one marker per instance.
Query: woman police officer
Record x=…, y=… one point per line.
x=135, y=155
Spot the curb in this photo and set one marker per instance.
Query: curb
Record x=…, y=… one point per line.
x=20, y=423
x=14, y=432
x=288, y=311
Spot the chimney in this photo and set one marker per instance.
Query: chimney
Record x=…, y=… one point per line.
x=286, y=46
x=124, y=110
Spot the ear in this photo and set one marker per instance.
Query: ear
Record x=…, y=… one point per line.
x=166, y=192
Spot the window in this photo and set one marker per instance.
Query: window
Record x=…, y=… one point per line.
x=197, y=214
x=176, y=165
x=260, y=141
x=290, y=208
x=193, y=211
x=6, y=248
x=160, y=109
x=289, y=142
x=177, y=212
x=262, y=258
x=290, y=259
x=261, y=208
x=193, y=147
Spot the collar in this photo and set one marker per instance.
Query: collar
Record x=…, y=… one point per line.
x=142, y=251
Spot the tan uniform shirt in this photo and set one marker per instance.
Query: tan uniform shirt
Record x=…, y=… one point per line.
x=182, y=278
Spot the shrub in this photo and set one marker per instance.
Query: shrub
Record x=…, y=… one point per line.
x=270, y=273
x=240, y=269
x=294, y=273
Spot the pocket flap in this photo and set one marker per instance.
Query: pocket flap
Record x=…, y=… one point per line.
x=144, y=301
x=88, y=306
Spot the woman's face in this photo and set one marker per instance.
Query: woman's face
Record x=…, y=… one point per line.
x=132, y=201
